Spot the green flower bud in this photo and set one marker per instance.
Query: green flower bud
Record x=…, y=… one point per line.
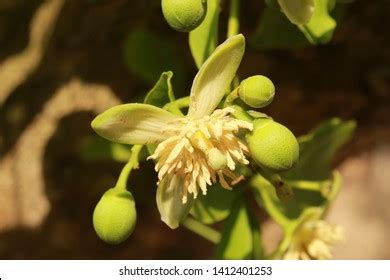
x=272, y=145
x=184, y=15
x=297, y=11
x=257, y=91
x=115, y=216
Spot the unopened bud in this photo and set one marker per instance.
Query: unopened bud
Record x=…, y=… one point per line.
x=184, y=15
x=297, y=11
x=115, y=216
x=257, y=91
x=272, y=145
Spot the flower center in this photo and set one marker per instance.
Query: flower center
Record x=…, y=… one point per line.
x=202, y=151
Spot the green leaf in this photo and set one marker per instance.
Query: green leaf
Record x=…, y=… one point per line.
x=148, y=54
x=215, y=206
x=240, y=236
x=162, y=92
x=321, y=26
x=317, y=149
x=96, y=148
x=275, y=31
x=203, y=40
x=159, y=95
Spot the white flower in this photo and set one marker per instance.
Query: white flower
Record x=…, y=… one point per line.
x=194, y=151
x=313, y=240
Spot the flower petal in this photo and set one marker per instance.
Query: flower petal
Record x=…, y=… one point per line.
x=297, y=11
x=170, y=201
x=215, y=76
x=133, y=124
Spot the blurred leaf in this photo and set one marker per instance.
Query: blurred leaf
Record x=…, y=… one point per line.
x=284, y=212
x=203, y=40
x=215, y=206
x=97, y=148
x=321, y=26
x=162, y=92
x=275, y=31
x=240, y=236
x=148, y=55
x=273, y=4
x=317, y=149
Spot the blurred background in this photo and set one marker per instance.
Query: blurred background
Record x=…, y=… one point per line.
x=64, y=61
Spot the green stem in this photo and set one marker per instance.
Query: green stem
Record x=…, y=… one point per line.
x=257, y=183
x=241, y=114
x=307, y=185
x=180, y=103
x=233, y=21
x=205, y=231
x=336, y=184
x=176, y=105
x=284, y=243
x=130, y=165
x=231, y=97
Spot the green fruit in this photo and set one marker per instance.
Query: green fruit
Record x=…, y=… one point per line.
x=272, y=145
x=115, y=216
x=257, y=91
x=184, y=15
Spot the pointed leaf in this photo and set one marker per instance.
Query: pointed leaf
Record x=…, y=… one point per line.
x=203, y=40
x=215, y=76
x=318, y=148
x=162, y=92
x=133, y=124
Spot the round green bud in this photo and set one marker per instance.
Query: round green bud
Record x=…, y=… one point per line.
x=257, y=91
x=272, y=145
x=184, y=15
x=115, y=216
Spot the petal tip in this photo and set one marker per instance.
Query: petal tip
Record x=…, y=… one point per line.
x=173, y=224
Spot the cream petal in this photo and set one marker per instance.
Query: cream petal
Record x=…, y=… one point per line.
x=133, y=124
x=297, y=11
x=169, y=200
x=215, y=76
